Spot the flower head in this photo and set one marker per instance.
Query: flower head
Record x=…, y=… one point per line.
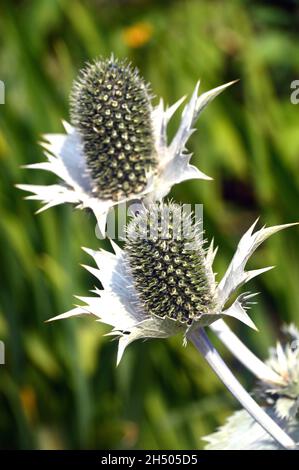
x=116, y=148
x=110, y=109
x=281, y=401
x=162, y=281
x=168, y=267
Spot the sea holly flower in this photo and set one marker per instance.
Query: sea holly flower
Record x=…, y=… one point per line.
x=280, y=398
x=116, y=148
x=162, y=283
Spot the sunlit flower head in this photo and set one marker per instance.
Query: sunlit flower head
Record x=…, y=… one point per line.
x=116, y=147
x=110, y=110
x=162, y=281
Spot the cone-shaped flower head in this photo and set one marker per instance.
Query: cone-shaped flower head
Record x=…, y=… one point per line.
x=167, y=260
x=117, y=149
x=162, y=282
x=110, y=108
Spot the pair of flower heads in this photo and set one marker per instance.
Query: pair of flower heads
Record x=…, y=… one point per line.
x=161, y=282
x=116, y=150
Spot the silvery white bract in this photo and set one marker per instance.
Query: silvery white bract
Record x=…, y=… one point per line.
x=241, y=432
x=284, y=361
x=118, y=303
x=66, y=159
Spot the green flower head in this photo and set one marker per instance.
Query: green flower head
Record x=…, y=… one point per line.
x=117, y=147
x=166, y=257
x=110, y=108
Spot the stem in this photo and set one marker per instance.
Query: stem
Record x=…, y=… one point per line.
x=202, y=343
x=243, y=353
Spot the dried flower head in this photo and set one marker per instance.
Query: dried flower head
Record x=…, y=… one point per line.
x=116, y=148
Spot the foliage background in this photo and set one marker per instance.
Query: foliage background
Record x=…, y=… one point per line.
x=59, y=387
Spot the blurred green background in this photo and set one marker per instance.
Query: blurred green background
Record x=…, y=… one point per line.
x=59, y=387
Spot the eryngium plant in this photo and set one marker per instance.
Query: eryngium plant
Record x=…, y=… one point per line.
x=281, y=401
x=162, y=283
x=116, y=148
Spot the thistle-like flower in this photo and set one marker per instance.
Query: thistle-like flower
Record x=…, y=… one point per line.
x=116, y=149
x=281, y=401
x=162, y=281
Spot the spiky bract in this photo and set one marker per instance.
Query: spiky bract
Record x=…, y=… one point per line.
x=110, y=108
x=167, y=261
x=284, y=360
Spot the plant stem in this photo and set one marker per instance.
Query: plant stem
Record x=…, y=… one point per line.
x=243, y=353
x=202, y=343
